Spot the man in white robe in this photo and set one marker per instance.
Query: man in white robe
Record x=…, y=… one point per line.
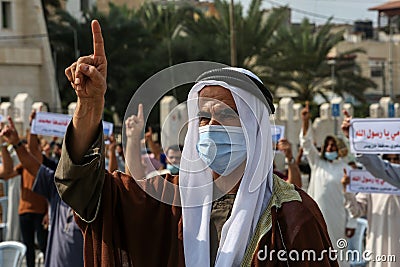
x=325, y=185
x=383, y=214
x=14, y=188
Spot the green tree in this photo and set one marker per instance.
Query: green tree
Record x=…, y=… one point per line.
x=126, y=43
x=138, y=44
x=163, y=22
x=302, y=63
x=64, y=32
x=210, y=36
x=48, y=5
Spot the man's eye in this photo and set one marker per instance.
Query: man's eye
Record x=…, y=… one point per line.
x=204, y=119
x=204, y=116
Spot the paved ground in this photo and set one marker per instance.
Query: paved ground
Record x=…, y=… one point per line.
x=39, y=260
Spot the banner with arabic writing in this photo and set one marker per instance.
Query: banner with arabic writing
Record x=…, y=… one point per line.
x=55, y=124
x=363, y=181
x=50, y=124
x=375, y=136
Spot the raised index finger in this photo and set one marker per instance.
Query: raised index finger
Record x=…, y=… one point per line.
x=98, y=43
x=11, y=122
x=140, y=112
x=346, y=114
x=307, y=105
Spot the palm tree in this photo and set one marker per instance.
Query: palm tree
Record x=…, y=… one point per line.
x=256, y=33
x=210, y=35
x=126, y=43
x=301, y=64
x=64, y=32
x=163, y=21
x=47, y=5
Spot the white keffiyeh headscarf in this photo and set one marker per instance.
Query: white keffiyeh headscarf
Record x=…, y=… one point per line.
x=196, y=187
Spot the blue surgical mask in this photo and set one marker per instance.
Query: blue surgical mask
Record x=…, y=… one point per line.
x=222, y=148
x=331, y=155
x=173, y=169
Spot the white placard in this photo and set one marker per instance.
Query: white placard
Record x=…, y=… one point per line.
x=50, y=124
x=278, y=132
x=374, y=136
x=107, y=128
x=363, y=181
x=55, y=124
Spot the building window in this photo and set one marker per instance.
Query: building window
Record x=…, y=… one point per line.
x=376, y=72
x=84, y=5
x=6, y=15
x=4, y=99
x=376, y=67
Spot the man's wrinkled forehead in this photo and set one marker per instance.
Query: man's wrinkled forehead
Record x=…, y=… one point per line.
x=216, y=96
x=239, y=80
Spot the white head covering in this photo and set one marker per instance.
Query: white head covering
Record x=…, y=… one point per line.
x=196, y=188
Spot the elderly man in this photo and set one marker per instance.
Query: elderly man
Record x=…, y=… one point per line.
x=225, y=207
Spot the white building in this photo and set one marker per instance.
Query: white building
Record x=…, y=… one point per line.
x=76, y=7
x=26, y=64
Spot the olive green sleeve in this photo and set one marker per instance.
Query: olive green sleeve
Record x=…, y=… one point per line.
x=80, y=185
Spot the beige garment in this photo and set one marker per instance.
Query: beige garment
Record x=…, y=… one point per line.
x=124, y=226
x=220, y=213
x=383, y=214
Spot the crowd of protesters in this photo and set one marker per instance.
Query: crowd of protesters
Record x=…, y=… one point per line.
x=48, y=224
x=46, y=221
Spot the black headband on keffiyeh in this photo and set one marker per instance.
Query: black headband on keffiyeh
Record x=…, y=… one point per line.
x=235, y=77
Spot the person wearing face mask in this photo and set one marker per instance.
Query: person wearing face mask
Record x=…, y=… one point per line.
x=173, y=157
x=325, y=183
x=225, y=208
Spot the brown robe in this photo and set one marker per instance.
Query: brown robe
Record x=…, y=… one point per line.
x=124, y=226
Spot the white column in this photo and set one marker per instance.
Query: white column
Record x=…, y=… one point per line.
x=71, y=108
x=173, y=120
x=23, y=105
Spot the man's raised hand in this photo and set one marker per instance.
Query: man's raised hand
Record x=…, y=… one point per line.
x=9, y=133
x=305, y=112
x=346, y=123
x=88, y=74
x=135, y=123
x=285, y=146
x=32, y=116
x=345, y=180
x=134, y=128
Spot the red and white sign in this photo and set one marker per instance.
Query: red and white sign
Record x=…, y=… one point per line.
x=363, y=181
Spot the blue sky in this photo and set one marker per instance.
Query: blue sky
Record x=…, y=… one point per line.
x=342, y=10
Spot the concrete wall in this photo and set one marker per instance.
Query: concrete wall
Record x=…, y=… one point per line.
x=26, y=64
x=376, y=51
x=173, y=117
